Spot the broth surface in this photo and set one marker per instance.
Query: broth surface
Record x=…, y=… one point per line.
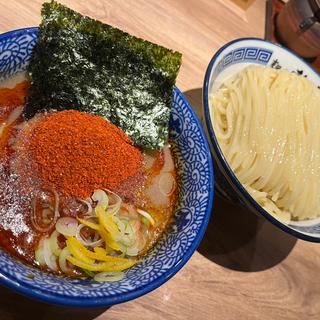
x=17, y=198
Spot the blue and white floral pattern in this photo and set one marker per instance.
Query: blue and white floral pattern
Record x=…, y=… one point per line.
x=15, y=51
x=174, y=248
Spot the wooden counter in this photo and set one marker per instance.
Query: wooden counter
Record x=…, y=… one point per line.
x=245, y=268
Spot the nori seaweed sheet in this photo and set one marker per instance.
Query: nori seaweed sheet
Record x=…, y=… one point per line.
x=80, y=63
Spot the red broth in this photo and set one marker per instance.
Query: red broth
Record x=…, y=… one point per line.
x=17, y=233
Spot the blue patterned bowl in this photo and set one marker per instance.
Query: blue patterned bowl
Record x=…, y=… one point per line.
x=174, y=248
x=228, y=61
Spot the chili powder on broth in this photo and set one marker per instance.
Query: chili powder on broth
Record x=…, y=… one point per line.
x=75, y=153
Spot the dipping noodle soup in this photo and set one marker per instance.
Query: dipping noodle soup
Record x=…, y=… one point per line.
x=76, y=196
x=140, y=98
x=88, y=181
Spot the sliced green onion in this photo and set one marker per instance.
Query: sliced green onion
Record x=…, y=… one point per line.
x=114, y=202
x=49, y=257
x=109, y=276
x=63, y=264
x=145, y=221
x=121, y=225
x=101, y=197
x=147, y=216
x=97, y=241
x=132, y=251
x=47, y=226
x=88, y=273
x=87, y=202
x=129, y=237
x=67, y=226
x=54, y=243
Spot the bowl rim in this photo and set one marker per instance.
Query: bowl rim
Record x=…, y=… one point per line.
x=244, y=194
x=82, y=302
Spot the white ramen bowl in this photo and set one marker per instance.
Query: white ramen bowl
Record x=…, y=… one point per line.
x=227, y=62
